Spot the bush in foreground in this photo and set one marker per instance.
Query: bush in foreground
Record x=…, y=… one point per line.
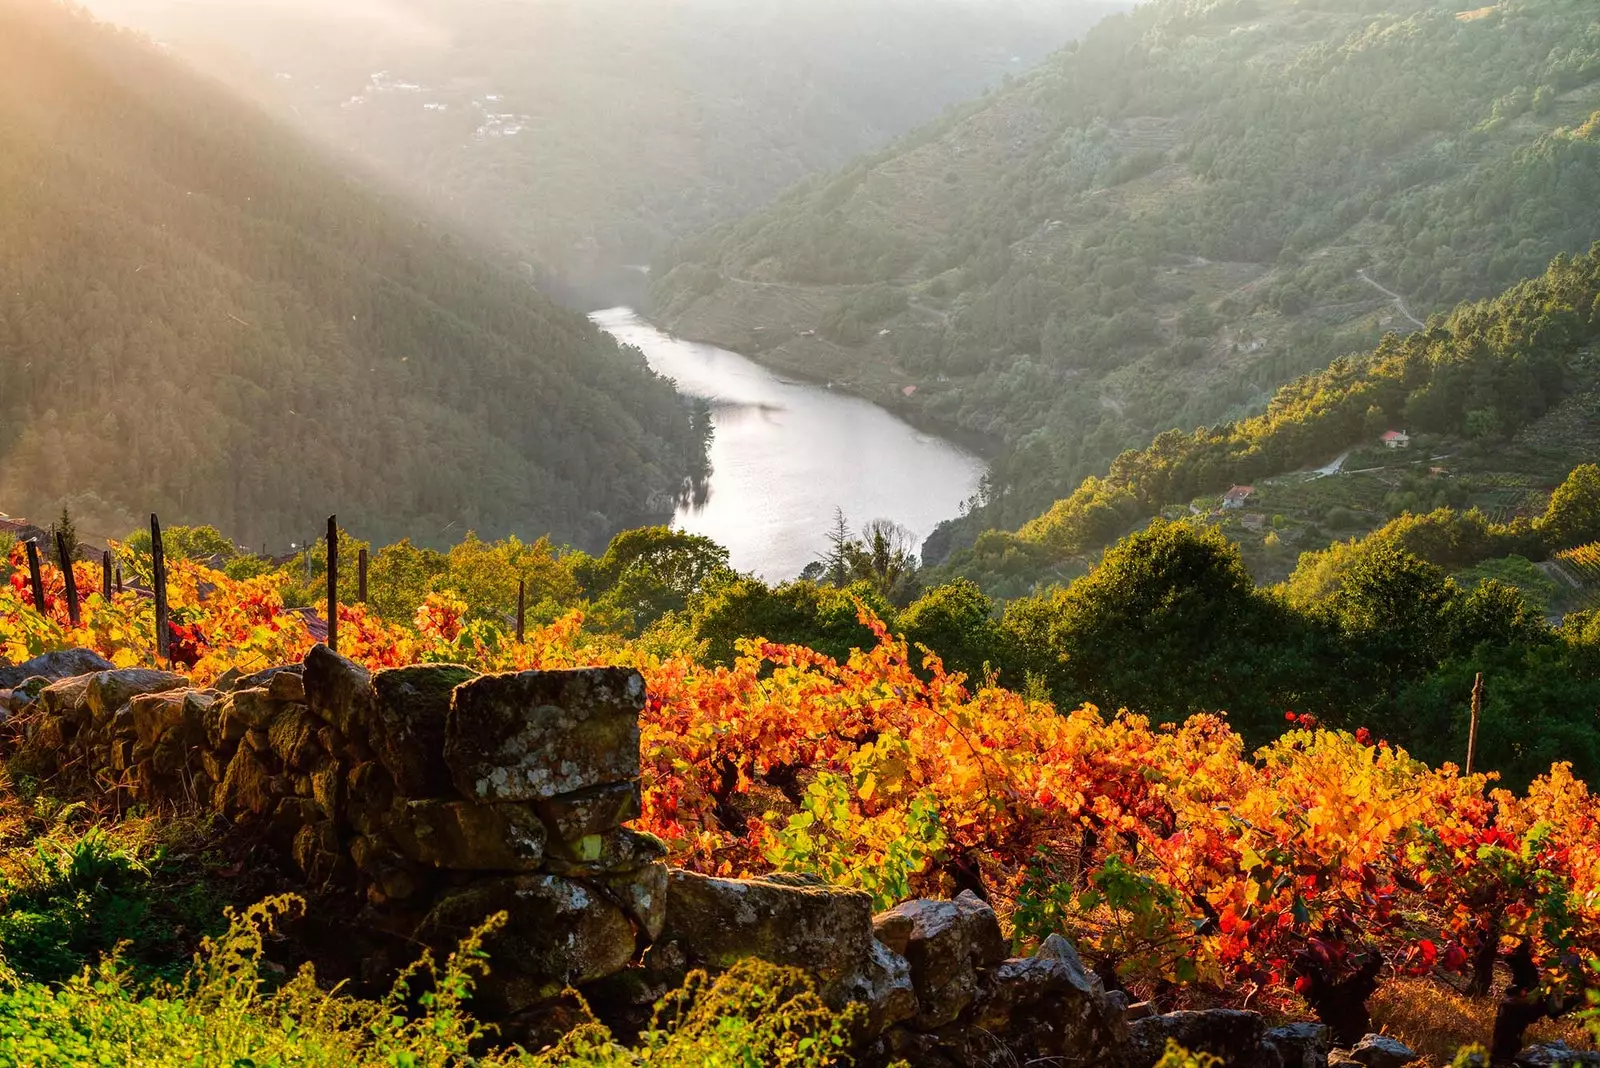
x=225, y=1012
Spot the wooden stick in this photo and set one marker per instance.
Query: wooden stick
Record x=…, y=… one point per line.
x=522, y=608
x=105, y=575
x=361, y=577
x=158, y=560
x=1472, y=731
x=119, y=578
x=333, y=582
x=68, y=576
x=35, y=576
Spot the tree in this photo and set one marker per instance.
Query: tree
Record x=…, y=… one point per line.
x=820, y=617
x=1573, y=515
x=649, y=572
x=958, y=623
x=400, y=576
x=836, y=564
x=1169, y=623
x=67, y=533
x=886, y=557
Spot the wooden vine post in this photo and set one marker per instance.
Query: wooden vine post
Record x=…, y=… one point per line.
x=1472, y=729
x=119, y=578
x=333, y=583
x=105, y=575
x=68, y=577
x=158, y=567
x=35, y=576
x=522, y=609
x=361, y=577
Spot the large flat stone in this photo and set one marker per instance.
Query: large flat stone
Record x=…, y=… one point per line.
x=827, y=930
x=63, y=664
x=557, y=931
x=539, y=734
x=413, y=705
x=461, y=836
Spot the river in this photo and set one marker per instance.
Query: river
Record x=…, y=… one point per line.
x=787, y=453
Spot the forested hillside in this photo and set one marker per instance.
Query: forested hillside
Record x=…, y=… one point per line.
x=585, y=134
x=199, y=317
x=1157, y=229
x=1486, y=374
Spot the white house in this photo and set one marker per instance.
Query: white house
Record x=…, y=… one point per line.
x=1396, y=439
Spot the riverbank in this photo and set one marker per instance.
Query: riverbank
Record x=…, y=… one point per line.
x=787, y=451
x=787, y=342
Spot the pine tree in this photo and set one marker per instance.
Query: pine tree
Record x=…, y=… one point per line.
x=68, y=533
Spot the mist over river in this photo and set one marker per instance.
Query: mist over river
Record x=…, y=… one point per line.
x=787, y=453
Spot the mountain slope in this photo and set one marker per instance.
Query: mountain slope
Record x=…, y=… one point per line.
x=199, y=317
x=1158, y=228
x=584, y=134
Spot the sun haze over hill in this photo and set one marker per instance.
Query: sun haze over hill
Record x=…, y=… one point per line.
x=199, y=316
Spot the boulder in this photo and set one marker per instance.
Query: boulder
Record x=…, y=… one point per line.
x=338, y=690
x=933, y=939
x=293, y=737
x=68, y=698
x=1555, y=1055
x=263, y=679
x=1057, y=948
x=110, y=690
x=288, y=686
x=1235, y=1035
x=412, y=705
x=985, y=940
x=557, y=932
x=252, y=707
x=1043, y=1010
x=541, y=734
x=246, y=787
x=575, y=816
x=642, y=896
x=826, y=930
x=1301, y=1045
x=369, y=794
x=155, y=715
x=64, y=664
x=1381, y=1051
x=461, y=836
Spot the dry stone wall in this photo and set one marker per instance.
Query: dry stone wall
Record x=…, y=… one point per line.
x=431, y=798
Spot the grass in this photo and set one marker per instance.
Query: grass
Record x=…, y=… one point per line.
x=76, y=885
x=1437, y=1021
x=117, y=947
x=223, y=1011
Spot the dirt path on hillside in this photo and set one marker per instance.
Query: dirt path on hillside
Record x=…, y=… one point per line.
x=1399, y=301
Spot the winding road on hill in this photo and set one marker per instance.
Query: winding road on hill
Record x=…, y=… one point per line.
x=1399, y=301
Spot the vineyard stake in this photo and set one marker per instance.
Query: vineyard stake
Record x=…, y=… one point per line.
x=333, y=582
x=119, y=578
x=105, y=575
x=522, y=608
x=1472, y=730
x=35, y=577
x=361, y=577
x=68, y=577
x=158, y=567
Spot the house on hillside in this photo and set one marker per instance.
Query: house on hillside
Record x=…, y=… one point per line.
x=1236, y=497
x=1396, y=439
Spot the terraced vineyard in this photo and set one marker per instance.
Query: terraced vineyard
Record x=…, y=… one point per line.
x=1582, y=567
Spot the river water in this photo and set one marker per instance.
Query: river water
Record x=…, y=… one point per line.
x=787, y=453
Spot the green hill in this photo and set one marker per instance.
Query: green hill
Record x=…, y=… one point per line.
x=1158, y=228
x=200, y=317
